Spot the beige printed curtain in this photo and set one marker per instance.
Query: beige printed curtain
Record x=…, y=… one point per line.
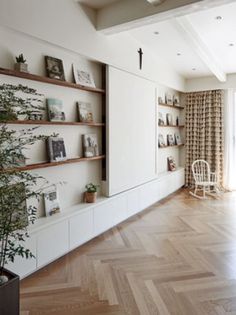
x=204, y=131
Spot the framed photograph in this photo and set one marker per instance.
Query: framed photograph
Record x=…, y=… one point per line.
x=169, y=99
x=169, y=120
x=51, y=202
x=85, y=112
x=161, y=141
x=177, y=139
x=171, y=164
x=56, y=149
x=90, y=145
x=176, y=100
x=55, y=110
x=83, y=77
x=160, y=119
x=170, y=140
x=54, y=68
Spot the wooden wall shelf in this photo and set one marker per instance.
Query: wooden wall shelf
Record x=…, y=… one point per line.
x=53, y=123
x=171, y=146
x=171, y=106
x=34, y=77
x=51, y=164
x=171, y=126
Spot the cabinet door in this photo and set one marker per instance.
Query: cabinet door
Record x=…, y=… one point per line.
x=103, y=218
x=133, y=202
x=23, y=266
x=81, y=228
x=149, y=194
x=53, y=242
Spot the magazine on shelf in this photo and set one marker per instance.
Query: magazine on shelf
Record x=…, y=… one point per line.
x=55, y=110
x=90, y=145
x=85, y=111
x=56, y=149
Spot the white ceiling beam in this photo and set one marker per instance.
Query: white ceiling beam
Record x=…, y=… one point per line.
x=128, y=14
x=195, y=41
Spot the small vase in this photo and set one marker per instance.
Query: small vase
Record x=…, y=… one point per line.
x=22, y=67
x=90, y=197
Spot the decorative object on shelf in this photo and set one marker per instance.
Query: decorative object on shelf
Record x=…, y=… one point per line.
x=177, y=139
x=90, y=145
x=140, y=52
x=161, y=141
x=169, y=120
x=21, y=64
x=51, y=201
x=169, y=99
x=160, y=100
x=176, y=100
x=160, y=119
x=56, y=149
x=170, y=140
x=14, y=215
x=55, y=110
x=90, y=194
x=85, y=111
x=35, y=116
x=19, y=101
x=177, y=121
x=83, y=77
x=171, y=164
x=54, y=68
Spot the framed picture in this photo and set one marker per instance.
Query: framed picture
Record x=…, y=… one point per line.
x=160, y=100
x=51, y=202
x=177, y=139
x=171, y=164
x=55, y=110
x=161, y=141
x=83, y=77
x=169, y=99
x=169, y=120
x=176, y=100
x=90, y=145
x=160, y=119
x=170, y=140
x=54, y=68
x=56, y=149
x=85, y=112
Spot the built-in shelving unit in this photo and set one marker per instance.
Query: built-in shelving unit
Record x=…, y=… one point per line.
x=53, y=123
x=34, y=77
x=171, y=106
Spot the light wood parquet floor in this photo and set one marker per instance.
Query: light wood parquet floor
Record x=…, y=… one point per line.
x=176, y=258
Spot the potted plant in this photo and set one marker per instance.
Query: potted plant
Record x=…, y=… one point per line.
x=90, y=194
x=21, y=64
x=17, y=190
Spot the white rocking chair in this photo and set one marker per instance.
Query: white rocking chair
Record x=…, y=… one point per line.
x=205, y=180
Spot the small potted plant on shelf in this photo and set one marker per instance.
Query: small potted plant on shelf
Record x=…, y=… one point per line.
x=90, y=194
x=21, y=64
x=17, y=190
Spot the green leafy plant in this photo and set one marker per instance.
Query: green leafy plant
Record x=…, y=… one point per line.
x=91, y=188
x=18, y=100
x=20, y=59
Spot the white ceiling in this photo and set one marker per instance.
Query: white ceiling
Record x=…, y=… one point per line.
x=97, y=4
x=214, y=37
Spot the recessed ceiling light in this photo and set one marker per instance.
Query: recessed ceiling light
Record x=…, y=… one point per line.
x=156, y=33
x=219, y=18
x=178, y=54
x=194, y=69
x=231, y=45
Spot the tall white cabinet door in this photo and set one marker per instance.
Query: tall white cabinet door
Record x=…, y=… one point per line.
x=103, y=218
x=53, y=243
x=81, y=228
x=23, y=266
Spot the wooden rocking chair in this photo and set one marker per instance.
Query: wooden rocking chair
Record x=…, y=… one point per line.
x=205, y=180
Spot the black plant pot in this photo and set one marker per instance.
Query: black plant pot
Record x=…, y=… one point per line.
x=9, y=295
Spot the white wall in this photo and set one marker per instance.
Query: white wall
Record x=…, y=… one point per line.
x=65, y=24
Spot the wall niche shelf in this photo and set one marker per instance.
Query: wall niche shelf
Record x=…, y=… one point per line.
x=53, y=123
x=171, y=146
x=171, y=126
x=34, y=77
x=51, y=164
x=171, y=106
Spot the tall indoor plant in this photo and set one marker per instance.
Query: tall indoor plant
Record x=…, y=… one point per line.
x=17, y=188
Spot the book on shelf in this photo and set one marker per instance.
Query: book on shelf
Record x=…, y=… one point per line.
x=161, y=141
x=55, y=110
x=90, y=145
x=170, y=140
x=177, y=139
x=169, y=119
x=51, y=202
x=56, y=149
x=171, y=164
x=161, y=121
x=85, y=112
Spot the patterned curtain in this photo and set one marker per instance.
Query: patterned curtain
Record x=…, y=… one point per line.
x=204, y=131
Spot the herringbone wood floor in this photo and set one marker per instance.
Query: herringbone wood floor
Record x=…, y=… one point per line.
x=177, y=257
